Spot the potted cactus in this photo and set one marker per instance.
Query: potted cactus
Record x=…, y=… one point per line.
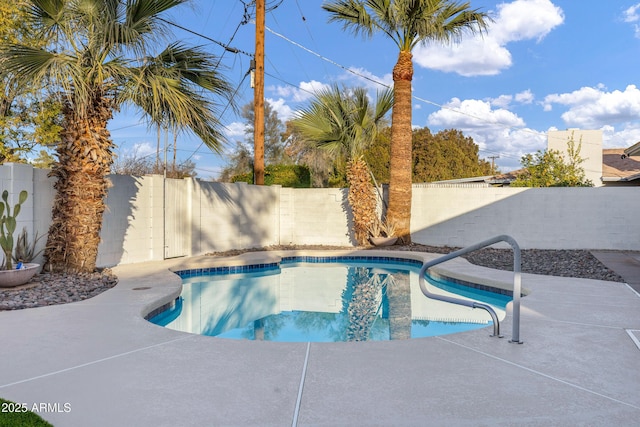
x=21, y=273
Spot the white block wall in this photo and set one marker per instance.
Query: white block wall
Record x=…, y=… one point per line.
x=321, y=216
x=231, y=216
x=542, y=218
x=35, y=213
x=132, y=226
x=218, y=216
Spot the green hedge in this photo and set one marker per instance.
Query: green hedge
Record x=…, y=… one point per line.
x=295, y=176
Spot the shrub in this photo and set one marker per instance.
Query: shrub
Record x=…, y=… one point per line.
x=295, y=176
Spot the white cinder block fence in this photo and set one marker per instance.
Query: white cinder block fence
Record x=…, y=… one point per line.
x=149, y=218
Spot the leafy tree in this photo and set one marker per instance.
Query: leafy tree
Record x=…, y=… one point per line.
x=274, y=129
x=319, y=162
x=25, y=120
x=345, y=123
x=407, y=23
x=241, y=161
x=446, y=155
x=97, y=56
x=550, y=168
x=44, y=160
x=296, y=176
x=378, y=156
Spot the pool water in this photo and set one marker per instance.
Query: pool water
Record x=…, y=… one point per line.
x=297, y=301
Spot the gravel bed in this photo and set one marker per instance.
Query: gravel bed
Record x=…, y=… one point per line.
x=51, y=289
x=55, y=288
x=563, y=263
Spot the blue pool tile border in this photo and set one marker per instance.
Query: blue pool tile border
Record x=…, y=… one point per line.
x=235, y=269
x=343, y=258
x=481, y=287
x=335, y=259
x=256, y=268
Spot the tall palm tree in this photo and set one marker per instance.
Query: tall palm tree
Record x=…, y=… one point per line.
x=407, y=23
x=99, y=55
x=345, y=123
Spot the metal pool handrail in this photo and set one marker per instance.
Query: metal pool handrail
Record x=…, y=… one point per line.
x=517, y=283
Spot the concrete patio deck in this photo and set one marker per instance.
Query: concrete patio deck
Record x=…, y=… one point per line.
x=99, y=363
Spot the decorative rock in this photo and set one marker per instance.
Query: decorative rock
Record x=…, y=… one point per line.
x=53, y=289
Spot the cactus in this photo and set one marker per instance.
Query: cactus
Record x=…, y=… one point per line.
x=8, y=225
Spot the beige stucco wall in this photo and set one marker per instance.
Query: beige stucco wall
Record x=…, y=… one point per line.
x=590, y=149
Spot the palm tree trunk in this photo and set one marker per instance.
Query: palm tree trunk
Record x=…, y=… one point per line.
x=399, y=298
x=85, y=157
x=362, y=199
x=399, y=210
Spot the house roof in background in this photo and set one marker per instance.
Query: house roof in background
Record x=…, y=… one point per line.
x=618, y=165
x=634, y=150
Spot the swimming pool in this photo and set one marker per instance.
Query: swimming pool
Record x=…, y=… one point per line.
x=323, y=299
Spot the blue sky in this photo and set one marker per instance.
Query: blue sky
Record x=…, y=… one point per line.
x=544, y=64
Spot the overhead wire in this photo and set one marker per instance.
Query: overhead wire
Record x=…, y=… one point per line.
x=377, y=82
x=276, y=3
x=223, y=111
x=247, y=16
x=226, y=47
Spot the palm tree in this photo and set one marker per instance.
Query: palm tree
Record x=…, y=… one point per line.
x=345, y=123
x=99, y=56
x=407, y=23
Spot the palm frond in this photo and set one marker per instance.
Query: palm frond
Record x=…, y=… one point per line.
x=171, y=98
x=408, y=22
x=101, y=49
x=46, y=15
x=341, y=120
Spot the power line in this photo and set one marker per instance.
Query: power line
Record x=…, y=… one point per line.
x=223, y=111
x=375, y=81
x=223, y=45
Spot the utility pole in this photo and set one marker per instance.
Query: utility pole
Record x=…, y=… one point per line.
x=258, y=97
x=493, y=165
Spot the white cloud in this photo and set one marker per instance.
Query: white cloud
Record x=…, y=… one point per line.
x=473, y=113
x=622, y=138
x=504, y=101
x=525, y=20
x=304, y=91
x=139, y=150
x=234, y=130
x=471, y=57
x=487, y=54
x=284, y=111
x=508, y=144
x=592, y=108
x=497, y=131
x=631, y=15
x=525, y=97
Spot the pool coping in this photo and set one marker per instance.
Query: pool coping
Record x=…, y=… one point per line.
x=577, y=365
